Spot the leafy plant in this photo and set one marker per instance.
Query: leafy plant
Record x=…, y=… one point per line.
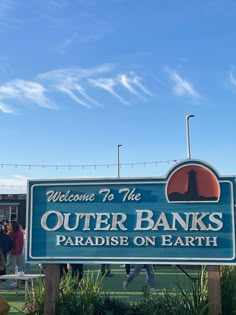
x=160, y=303
x=80, y=297
x=35, y=305
x=88, y=297
x=228, y=289
x=114, y=306
x=196, y=302
x=171, y=303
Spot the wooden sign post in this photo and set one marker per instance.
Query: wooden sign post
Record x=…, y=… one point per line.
x=214, y=291
x=52, y=282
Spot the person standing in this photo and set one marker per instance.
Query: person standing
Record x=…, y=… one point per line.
x=63, y=270
x=4, y=225
x=77, y=271
x=15, y=257
x=127, y=269
x=6, y=244
x=137, y=269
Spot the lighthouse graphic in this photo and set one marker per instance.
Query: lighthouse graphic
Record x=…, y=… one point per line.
x=192, y=192
x=193, y=183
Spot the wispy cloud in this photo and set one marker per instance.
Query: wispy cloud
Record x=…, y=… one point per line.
x=181, y=86
x=137, y=81
x=108, y=85
x=79, y=84
x=35, y=92
x=23, y=90
x=69, y=91
x=232, y=79
x=6, y=19
x=6, y=109
x=74, y=80
x=70, y=80
x=84, y=94
x=133, y=84
x=73, y=74
x=127, y=83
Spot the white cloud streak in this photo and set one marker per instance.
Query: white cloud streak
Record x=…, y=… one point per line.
x=137, y=81
x=68, y=80
x=82, y=92
x=70, y=93
x=108, y=85
x=73, y=74
x=24, y=90
x=130, y=82
x=6, y=109
x=232, y=79
x=35, y=92
x=126, y=82
x=181, y=86
x=76, y=83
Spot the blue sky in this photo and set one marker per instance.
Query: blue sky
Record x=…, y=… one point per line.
x=77, y=78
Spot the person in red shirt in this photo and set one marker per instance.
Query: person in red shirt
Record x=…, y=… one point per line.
x=15, y=257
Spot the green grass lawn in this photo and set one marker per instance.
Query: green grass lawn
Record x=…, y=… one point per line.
x=167, y=277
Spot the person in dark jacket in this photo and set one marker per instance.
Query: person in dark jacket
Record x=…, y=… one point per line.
x=6, y=244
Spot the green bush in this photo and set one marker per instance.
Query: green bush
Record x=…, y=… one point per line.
x=196, y=302
x=80, y=297
x=114, y=306
x=160, y=303
x=228, y=289
x=88, y=297
x=35, y=305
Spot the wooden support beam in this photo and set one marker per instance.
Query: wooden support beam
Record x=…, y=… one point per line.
x=52, y=282
x=214, y=291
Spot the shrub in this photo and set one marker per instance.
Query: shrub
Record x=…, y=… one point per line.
x=88, y=297
x=35, y=305
x=160, y=303
x=196, y=302
x=114, y=306
x=228, y=289
x=80, y=297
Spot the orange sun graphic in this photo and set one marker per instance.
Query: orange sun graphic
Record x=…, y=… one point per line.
x=193, y=182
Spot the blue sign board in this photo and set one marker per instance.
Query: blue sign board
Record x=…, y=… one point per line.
x=186, y=217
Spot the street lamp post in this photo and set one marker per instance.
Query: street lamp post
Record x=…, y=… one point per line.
x=118, y=159
x=187, y=133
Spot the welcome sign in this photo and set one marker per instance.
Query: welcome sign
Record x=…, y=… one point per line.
x=186, y=217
